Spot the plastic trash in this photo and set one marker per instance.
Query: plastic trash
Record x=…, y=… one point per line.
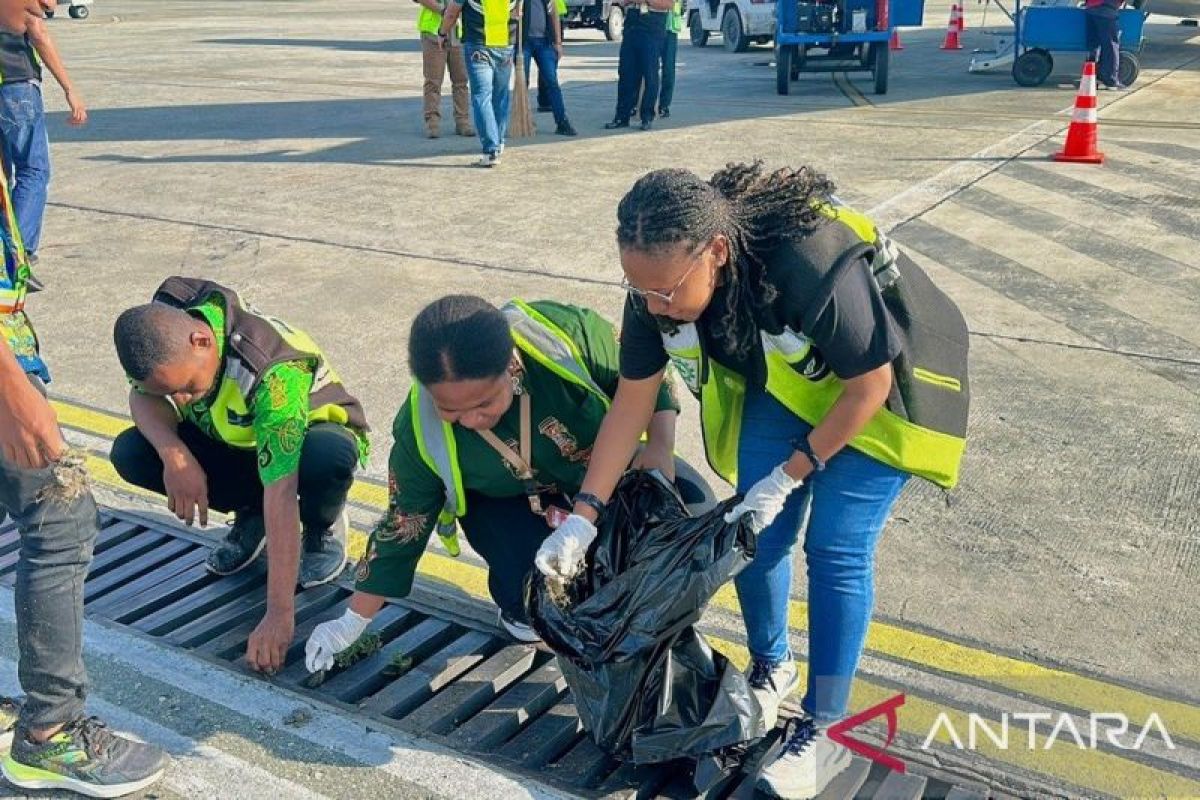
x=647, y=686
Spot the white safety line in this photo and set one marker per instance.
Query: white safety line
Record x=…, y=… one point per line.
x=199, y=770
x=429, y=766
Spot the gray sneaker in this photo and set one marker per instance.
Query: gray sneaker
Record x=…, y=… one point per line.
x=808, y=762
x=324, y=555
x=87, y=758
x=771, y=684
x=245, y=540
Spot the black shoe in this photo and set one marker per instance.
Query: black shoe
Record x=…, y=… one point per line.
x=616, y=123
x=87, y=758
x=324, y=555
x=566, y=129
x=243, y=543
x=33, y=284
x=545, y=110
x=664, y=112
x=647, y=124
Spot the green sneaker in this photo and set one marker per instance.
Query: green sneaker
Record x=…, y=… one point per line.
x=84, y=757
x=10, y=712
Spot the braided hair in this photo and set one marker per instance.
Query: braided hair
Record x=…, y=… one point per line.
x=756, y=211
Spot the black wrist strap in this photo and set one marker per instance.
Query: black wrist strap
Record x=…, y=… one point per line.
x=591, y=501
x=800, y=443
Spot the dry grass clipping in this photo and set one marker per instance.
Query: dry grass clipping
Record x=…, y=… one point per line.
x=70, y=479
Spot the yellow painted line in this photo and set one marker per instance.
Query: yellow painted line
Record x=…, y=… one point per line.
x=1093, y=770
x=101, y=423
x=922, y=650
x=1053, y=685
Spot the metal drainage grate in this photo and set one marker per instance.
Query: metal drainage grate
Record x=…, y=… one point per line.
x=467, y=688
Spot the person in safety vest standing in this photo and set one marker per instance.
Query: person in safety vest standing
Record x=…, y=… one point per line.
x=666, y=88
x=495, y=436
x=489, y=35
x=43, y=489
x=829, y=369
x=435, y=59
x=237, y=411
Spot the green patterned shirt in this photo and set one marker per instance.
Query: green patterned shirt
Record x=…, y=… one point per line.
x=280, y=406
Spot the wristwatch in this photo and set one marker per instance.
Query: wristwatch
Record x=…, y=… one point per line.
x=800, y=444
x=591, y=501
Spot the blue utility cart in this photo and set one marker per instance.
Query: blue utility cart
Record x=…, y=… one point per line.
x=838, y=36
x=1040, y=30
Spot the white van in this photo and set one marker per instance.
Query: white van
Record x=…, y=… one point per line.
x=740, y=22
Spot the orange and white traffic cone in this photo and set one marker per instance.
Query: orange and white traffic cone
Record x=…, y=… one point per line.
x=1080, y=147
x=952, y=29
x=895, y=43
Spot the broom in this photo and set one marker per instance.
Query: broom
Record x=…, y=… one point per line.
x=520, y=114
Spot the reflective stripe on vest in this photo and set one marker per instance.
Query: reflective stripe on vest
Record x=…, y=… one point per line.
x=808, y=391
x=536, y=337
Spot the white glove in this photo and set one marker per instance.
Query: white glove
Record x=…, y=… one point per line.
x=331, y=638
x=563, y=552
x=765, y=499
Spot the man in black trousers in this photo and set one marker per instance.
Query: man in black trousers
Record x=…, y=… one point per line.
x=1104, y=40
x=641, y=48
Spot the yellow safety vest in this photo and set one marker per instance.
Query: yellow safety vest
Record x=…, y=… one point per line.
x=535, y=336
x=927, y=439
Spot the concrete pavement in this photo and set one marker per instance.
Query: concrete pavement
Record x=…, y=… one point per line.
x=276, y=146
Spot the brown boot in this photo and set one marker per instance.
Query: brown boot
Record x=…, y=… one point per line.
x=464, y=128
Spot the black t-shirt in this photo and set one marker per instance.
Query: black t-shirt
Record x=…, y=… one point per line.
x=853, y=332
x=472, y=20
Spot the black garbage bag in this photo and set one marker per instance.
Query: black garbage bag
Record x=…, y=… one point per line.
x=646, y=684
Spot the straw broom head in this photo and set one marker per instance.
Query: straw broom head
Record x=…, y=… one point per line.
x=520, y=114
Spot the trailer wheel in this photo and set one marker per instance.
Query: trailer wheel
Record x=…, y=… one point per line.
x=614, y=26
x=784, y=55
x=696, y=31
x=732, y=31
x=1032, y=67
x=881, y=60
x=1128, y=68
x=78, y=12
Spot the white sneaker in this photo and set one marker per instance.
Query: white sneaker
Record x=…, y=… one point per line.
x=808, y=762
x=771, y=685
x=489, y=160
x=518, y=630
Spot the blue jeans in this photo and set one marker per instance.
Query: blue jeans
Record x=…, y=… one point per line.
x=490, y=71
x=539, y=49
x=27, y=156
x=846, y=505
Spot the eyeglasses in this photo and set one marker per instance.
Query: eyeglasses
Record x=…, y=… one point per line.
x=665, y=297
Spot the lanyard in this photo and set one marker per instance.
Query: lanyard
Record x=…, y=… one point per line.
x=522, y=461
